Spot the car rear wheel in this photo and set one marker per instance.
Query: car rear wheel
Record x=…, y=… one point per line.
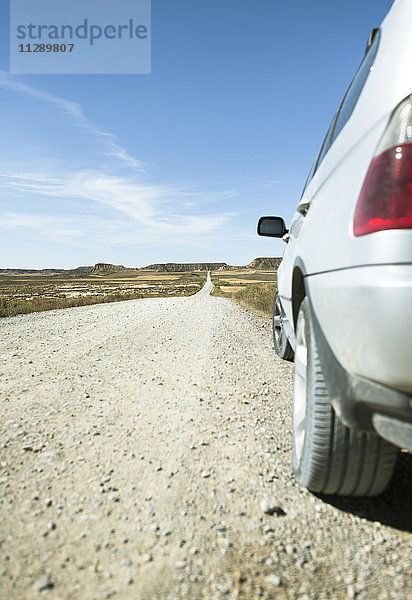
x=328, y=457
x=283, y=348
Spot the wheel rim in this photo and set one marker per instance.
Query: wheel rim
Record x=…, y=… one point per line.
x=278, y=325
x=300, y=387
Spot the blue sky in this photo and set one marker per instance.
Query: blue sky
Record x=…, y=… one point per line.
x=177, y=165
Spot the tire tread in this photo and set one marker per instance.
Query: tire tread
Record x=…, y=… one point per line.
x=335, y=459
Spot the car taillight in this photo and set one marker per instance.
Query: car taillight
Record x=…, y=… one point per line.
x=385, y=201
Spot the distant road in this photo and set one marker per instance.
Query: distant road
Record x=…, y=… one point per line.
x=207, y=288
x=138, y=440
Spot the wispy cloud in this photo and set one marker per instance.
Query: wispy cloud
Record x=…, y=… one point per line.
x=152, y=214
x=270, y=184
x=60, y=229
x=74, y=111
x=89, y=206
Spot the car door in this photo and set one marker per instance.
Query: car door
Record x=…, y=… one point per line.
x=291, y=239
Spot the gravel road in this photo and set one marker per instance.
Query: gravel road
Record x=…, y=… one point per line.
x=141, y=444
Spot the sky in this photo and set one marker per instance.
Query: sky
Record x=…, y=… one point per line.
x=179, y=164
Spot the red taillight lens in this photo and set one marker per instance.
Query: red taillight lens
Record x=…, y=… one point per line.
x=385, y=201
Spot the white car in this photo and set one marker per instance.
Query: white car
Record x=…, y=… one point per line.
x=343, y=309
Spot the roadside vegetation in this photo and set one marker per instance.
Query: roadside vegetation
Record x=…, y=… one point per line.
x=252, y=289
x=28, y=294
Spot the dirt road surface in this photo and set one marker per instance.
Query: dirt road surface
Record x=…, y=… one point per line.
x=140, y=442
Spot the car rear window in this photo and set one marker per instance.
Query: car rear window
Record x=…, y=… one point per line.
x=356, y=87
x=348, y=103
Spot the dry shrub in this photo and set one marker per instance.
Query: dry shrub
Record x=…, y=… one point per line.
x=255, y=296
x=10, y=307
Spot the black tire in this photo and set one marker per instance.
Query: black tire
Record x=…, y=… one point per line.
x=283, y=348
x=328, y=457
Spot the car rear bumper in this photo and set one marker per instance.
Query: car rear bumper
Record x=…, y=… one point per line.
x=363, y=404
x=366, y=316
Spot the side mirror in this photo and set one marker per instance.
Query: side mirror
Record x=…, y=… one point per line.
x=272, y=227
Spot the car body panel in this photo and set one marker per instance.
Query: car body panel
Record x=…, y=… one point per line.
x=366, y=318
x=360, y=288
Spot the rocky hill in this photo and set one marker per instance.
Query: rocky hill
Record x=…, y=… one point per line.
x=264, y=263
x=31, y=271
x=106, y=268
x=178, y=267
x=81, y=270
x=45, y=271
